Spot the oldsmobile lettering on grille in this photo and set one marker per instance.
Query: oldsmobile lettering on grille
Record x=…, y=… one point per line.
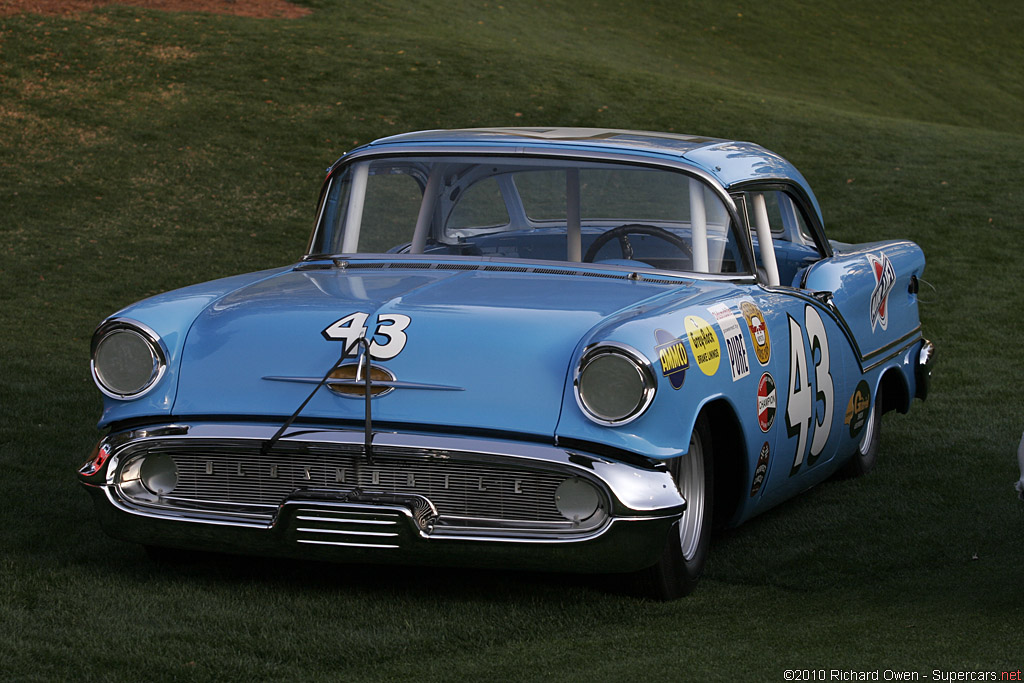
x=374, y=476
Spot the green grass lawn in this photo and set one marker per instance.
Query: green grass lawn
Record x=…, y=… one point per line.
x=142, y=151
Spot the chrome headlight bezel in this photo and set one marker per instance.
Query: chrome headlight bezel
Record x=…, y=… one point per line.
x=153, y=370
x=638, y=367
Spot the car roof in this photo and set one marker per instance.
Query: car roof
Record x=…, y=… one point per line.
x=731, y=162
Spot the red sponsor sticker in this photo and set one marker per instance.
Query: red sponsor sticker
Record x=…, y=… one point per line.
x=767, y=401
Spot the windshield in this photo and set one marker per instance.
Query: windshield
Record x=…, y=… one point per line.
x=535, y=209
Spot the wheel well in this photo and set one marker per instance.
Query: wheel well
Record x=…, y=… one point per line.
x=894, y=391
x=729, y=450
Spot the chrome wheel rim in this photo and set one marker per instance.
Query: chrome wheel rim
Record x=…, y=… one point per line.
x=690, y=480
x=869, y=431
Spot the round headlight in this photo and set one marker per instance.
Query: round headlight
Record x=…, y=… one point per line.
x=614, y=384
x=126, y=360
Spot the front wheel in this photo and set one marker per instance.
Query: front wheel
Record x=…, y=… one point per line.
x=682, y=561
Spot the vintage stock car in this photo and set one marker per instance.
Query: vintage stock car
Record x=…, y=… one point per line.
x=567, y=349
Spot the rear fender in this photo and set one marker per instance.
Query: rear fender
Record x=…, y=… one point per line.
x=874, y=289
x=894, y=392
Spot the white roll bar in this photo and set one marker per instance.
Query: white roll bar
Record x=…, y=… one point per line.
x=419, y=236
x=764, y=240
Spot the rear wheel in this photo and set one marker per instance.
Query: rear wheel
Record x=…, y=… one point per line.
x=682, y=561
x=864, y=459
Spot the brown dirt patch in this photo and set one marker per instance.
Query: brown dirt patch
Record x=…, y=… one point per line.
x=278, y=9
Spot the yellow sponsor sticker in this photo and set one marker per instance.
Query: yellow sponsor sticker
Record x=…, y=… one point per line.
x=707, y=350
x=858, y=409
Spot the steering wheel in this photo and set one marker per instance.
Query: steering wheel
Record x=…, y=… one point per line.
x=620, y=233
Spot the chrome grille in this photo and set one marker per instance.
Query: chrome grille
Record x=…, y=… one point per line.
x=317, y=526
x=214, y=474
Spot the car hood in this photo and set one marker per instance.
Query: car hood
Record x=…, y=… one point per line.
x=478, y=349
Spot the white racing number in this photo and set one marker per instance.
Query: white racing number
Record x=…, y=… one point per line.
x=809, y=406
x=390, y=327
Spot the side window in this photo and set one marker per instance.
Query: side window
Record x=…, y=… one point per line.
x=542, y=194
x=792, y=220
x=481, y=206
x=771, y=202
x=392, y=203
x=776, y=215
x=785, y=220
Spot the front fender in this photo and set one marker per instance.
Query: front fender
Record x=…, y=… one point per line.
x=170, y=317
x=685, y=385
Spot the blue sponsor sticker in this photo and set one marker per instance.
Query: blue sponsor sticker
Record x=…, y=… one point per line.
x=672, y=356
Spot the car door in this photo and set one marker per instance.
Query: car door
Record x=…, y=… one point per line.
x=814, y=356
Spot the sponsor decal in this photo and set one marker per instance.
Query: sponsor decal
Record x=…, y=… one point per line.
x=767, y=402
x=758, y=331
x=761, y=471
x=672, y=356
x=735, y=344
x=858, y=409
x=704, y=343
x=885, y=279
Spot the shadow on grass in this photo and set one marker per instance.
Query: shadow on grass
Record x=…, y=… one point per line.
x=407, y=582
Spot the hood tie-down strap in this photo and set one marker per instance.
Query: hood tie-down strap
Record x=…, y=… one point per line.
x=368, y=428
x=345, y=354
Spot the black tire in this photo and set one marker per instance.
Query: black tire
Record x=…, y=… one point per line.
x=686, y=550
x=863, y=461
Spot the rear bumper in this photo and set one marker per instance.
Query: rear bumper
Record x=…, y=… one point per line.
x=425, y=499
x=923, y=369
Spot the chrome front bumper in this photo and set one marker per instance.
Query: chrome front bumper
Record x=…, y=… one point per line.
x=422, y=499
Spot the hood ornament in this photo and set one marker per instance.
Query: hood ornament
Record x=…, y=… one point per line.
x=350, y=380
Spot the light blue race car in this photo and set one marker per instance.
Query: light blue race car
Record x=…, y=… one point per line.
x=566, y=349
